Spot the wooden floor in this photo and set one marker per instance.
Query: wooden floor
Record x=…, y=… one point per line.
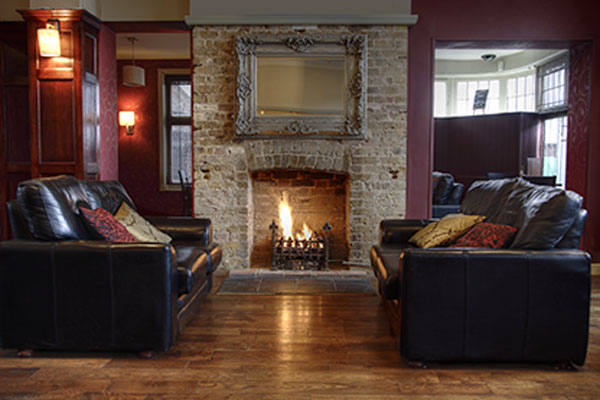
x=289, y=347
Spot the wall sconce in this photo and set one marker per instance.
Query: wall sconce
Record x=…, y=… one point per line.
x=127, y=119
x=49, y=39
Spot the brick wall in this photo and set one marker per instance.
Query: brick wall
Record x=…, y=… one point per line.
x=222, y=165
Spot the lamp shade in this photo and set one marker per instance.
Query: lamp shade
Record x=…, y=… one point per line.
x=49, y=41
x=126, y=118
x=134, y=76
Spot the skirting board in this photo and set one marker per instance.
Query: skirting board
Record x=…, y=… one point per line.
x=595, y=268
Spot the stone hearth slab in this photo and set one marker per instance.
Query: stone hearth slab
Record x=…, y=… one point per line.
x=261, y=281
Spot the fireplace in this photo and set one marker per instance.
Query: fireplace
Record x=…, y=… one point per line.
x=229, y=173
x=300, y=203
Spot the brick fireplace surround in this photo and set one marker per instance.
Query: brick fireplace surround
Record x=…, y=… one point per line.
x=223, y=166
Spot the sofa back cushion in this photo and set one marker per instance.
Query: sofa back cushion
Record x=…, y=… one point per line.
x=106, y=194
x=542, y=214
x=487, y=197
x=49, y=206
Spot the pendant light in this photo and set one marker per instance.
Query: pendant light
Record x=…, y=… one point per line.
x=133, y=75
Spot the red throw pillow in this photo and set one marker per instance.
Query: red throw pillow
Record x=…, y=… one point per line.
x=105, y=225
x=486, y=234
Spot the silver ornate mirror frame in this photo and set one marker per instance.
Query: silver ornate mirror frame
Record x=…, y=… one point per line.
x=351, y=125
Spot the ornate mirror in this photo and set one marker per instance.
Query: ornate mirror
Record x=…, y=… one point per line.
x=301, y=85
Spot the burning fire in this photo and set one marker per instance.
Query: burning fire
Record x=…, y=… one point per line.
x=285, y=217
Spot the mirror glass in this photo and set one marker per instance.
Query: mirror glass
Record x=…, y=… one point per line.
x=300, y=86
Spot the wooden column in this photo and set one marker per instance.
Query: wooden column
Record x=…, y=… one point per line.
x=63, y=96
x=14, y=115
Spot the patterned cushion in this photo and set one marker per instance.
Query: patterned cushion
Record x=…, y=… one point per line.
x=141, y=229
x=105, y=225
x=486, y=234
x=444, y=231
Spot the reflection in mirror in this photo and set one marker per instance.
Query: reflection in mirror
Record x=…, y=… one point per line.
x=300, y=86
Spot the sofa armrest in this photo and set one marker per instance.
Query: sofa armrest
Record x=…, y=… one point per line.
x=185, y=229
x=501, y=305
x=398, y=231
x=87, y=295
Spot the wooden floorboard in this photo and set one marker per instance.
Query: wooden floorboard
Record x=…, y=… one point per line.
x=328, y=347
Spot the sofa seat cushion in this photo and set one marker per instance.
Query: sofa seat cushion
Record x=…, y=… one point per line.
x=192, y=268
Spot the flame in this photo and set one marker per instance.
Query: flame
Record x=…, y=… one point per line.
x=285, y=217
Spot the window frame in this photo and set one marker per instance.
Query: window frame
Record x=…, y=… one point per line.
x=165, y=121
x=541, y=72
x=527, y=74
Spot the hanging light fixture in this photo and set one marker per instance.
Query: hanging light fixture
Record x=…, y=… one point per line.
x=49, y=39
x=133, y=75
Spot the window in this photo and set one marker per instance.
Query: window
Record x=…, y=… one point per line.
x=440, y=98
x=555, y=148
x=176, y=121
x=552, y=76
x=520, y=93
x=465, y=94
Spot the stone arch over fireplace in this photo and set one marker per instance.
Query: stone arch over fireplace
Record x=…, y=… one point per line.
x=298, y=155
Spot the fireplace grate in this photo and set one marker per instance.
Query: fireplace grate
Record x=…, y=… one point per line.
x=300, y=254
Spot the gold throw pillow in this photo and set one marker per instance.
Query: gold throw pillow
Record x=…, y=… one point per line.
x=139, y=228
x=444, y=231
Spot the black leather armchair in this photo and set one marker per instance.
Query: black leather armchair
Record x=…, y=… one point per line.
x=446, y=194
x=62, y=289
x=521, y=304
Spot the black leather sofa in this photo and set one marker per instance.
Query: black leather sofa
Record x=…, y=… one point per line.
x=446, y=194
x=527, y=303
x=62, y=289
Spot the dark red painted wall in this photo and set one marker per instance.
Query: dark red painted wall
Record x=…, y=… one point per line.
x=497, y=20
x=139, y=160
x=107, y=76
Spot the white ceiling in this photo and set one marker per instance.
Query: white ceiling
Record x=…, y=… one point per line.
x=155, y=46
x=472, y=54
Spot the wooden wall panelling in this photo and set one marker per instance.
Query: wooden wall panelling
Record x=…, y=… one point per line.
x=62, y=124
x=14, y=115
x=469, y=147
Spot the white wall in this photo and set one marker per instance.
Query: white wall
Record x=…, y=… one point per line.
x=200, y=8
x=8, y=9
x=106, y=10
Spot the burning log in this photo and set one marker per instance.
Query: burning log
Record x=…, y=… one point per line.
x=306, y=252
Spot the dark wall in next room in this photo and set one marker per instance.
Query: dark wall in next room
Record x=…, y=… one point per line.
x=139, y=158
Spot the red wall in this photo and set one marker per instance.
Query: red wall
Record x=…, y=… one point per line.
x=139, y=160
x=498, y=20
x=109, y=132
